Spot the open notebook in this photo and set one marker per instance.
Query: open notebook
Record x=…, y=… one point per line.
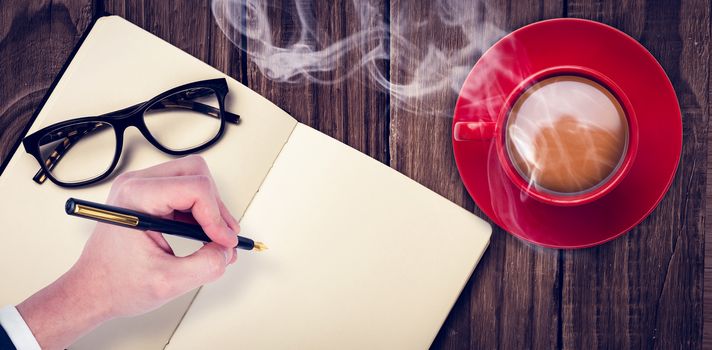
x=361, y=257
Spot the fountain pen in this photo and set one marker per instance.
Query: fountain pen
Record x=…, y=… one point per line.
x=144, y=222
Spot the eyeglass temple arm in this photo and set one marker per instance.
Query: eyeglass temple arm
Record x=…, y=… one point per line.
x=185, y=100
x=61, y=149
x=198, y=107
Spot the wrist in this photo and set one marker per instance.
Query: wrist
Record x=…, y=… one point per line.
x=88, y=296
x=65, y=310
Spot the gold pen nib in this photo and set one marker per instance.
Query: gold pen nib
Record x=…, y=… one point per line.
x=259, y=246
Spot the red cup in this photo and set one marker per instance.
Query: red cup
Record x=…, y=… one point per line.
x=492, y=128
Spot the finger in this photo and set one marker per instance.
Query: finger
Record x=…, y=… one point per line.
x=205, y=265
x=186, y=166
x=231, y=221
x=234, y=256
x=160, y=241
x=161, y=196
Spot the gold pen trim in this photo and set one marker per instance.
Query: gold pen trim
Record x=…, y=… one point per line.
x=106, y=215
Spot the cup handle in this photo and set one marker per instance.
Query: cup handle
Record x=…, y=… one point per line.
x=474, y=131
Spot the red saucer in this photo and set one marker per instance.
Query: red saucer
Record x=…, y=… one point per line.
x=567, y=42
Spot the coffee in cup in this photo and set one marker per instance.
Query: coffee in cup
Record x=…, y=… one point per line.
x=566, y=134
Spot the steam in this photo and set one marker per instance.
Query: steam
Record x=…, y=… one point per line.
x=311, y=53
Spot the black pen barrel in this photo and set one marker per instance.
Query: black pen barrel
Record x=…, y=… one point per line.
x=140, y=221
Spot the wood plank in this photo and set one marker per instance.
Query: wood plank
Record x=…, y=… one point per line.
x=511, y=300
x=223, y=54
x=36, y=39
x=645, y=290
x=183, y=23
x=531, y=280
x=187, y=26
x=347, y=108
x=707, y=285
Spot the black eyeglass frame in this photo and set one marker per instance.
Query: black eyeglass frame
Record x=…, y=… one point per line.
x=121, y=119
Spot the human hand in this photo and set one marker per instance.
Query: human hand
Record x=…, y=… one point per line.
x=123, y=272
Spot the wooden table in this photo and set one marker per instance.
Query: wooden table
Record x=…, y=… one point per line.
x=644, y=290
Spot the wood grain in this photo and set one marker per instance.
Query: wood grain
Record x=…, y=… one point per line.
x=346, y=109
x=185, y=24
x=36, y=39
x=644, y=290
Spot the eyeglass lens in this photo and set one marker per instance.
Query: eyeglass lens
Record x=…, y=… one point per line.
x=181, y=122
x=78, y=152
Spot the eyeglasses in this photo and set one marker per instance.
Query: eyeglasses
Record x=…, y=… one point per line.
x=81, y=151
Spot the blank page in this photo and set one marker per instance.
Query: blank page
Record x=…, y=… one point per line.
x=360, y=257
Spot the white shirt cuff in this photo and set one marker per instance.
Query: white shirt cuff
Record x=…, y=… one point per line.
x=17, y=329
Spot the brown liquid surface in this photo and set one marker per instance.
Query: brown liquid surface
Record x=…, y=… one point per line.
x=566, y=134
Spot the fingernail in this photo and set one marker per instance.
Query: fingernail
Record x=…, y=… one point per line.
x=232, y=234
x=234, y=255
x=227, y=257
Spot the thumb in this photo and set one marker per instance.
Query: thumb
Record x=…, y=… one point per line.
x=205, y=265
